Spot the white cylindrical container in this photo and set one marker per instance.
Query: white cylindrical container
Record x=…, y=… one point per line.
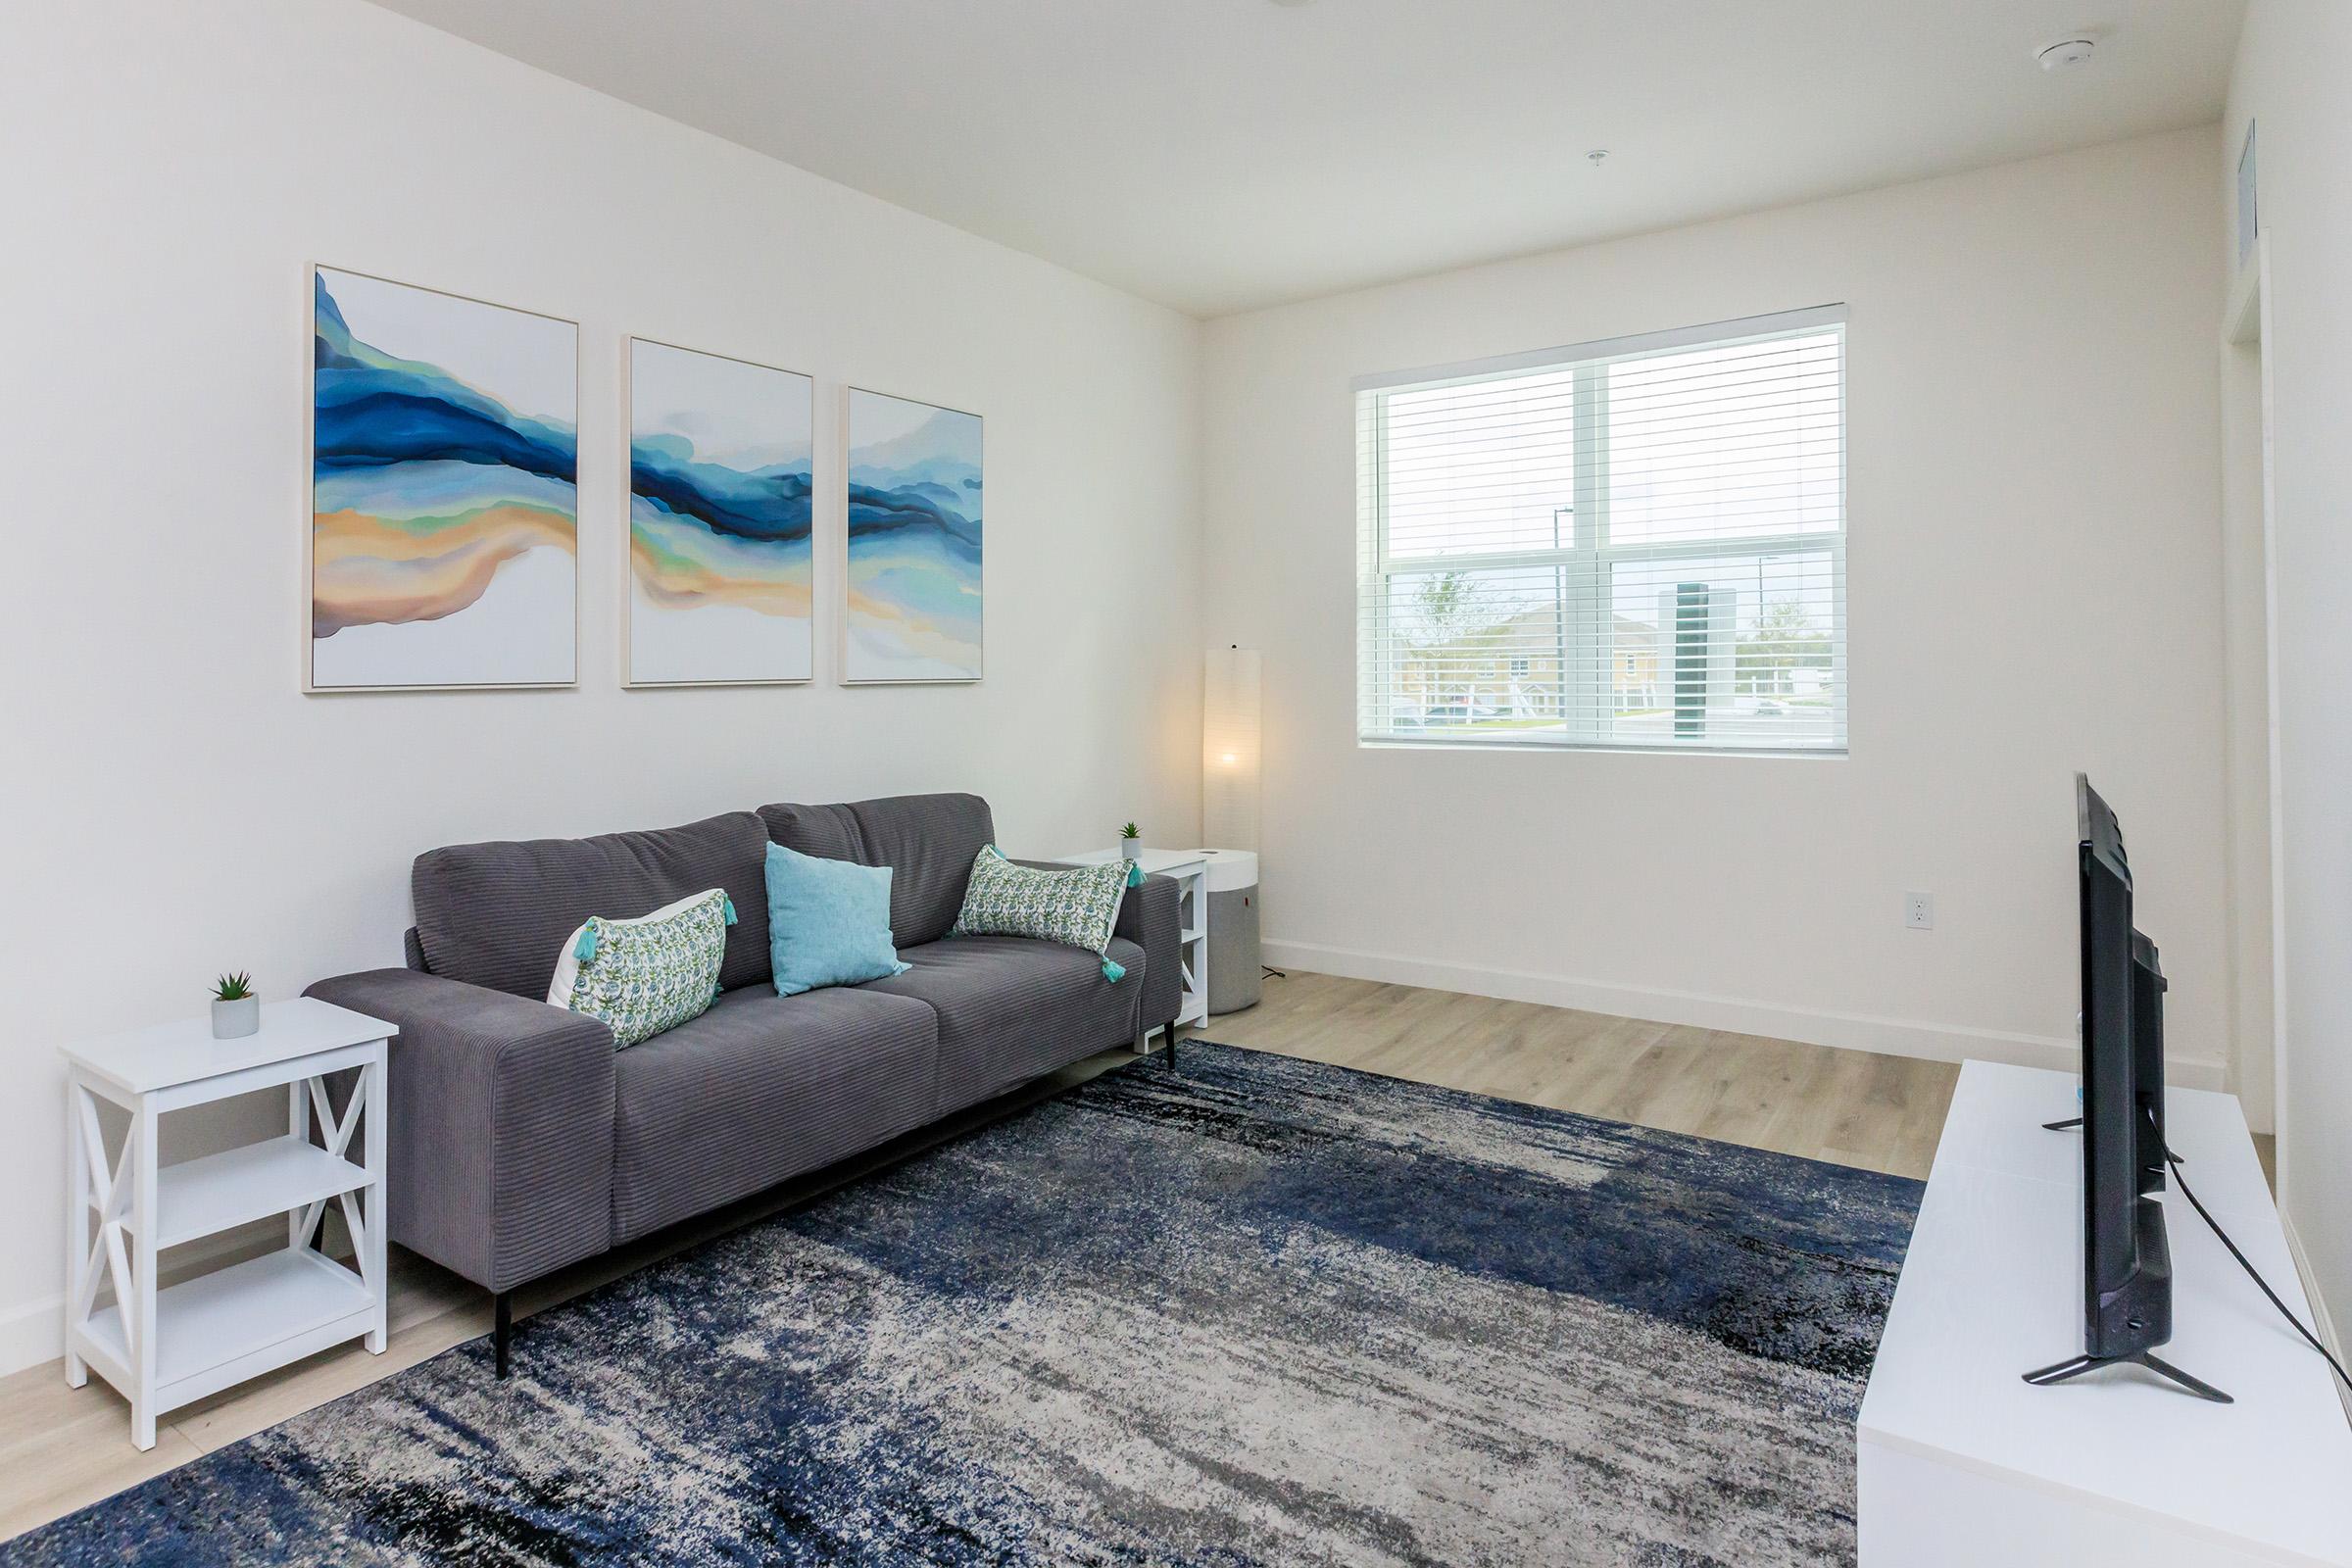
x=1233, y=960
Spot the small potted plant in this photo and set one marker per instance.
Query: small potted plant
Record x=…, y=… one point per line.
x=236, y=1010
x=1131, y=841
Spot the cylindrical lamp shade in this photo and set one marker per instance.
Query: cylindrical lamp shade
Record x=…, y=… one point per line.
x=1229, y=751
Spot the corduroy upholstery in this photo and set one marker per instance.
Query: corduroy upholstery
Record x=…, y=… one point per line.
x=928, y=841
x=521, y=1143
x=1151, y=919
x=830, y=831
x=500, y=1138
x=760, y=1089
x=494, y=914
x=1011, y=1009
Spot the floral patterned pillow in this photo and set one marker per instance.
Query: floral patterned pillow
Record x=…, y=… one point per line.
x=646, y=975
x=1077, y=908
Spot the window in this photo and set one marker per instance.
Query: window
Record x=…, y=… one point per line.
x=1639, y=544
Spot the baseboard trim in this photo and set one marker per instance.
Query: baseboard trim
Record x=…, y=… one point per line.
x=2321, y=1324
x=35, y=1332
x=32, y=1333
x=1895, y=1037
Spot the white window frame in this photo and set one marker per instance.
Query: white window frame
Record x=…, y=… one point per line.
x=1588, y=558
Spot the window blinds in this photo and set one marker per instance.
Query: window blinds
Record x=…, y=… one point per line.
x=1631, y=544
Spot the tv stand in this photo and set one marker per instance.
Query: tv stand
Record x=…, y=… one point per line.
x=2076, y=1366
x=1962, y=1464
x=2066, y=1371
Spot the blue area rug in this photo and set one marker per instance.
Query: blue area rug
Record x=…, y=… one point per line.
x=1258, y=1311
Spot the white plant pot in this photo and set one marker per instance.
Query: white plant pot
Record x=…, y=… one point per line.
x=235, y=1020
x=1128, y=849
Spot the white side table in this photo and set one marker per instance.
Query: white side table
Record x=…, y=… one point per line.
x=1190, y=870
x=164, y=1349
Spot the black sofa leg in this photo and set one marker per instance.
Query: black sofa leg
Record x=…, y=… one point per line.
x=503, y=1334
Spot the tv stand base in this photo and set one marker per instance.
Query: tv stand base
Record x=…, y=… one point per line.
x=2162, y=1368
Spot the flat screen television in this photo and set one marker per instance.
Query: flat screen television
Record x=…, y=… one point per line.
x=2127, y=1264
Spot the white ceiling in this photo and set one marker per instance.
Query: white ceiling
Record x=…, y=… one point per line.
x=1220, y=155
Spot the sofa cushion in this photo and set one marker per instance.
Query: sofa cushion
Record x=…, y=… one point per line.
x=1074, y=905
x=496, y=914
x=828, y=922
x=1011, y=1009
x=760, y=1089
x=830, y=831
x=644, y=975
x=928, y=841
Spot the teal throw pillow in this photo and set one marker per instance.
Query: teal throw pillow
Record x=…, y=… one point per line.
x=641, y=976
x=828, y=922
x=1078, y=906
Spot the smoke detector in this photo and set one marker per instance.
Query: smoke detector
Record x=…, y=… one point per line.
x=2065, y=55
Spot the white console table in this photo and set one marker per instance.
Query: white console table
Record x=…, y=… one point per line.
x=165, y=1348
x=1962, y=1464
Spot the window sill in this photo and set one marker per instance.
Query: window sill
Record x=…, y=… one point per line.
x=1815, y=753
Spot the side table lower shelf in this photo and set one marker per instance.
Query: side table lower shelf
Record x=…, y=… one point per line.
x=222, y=1328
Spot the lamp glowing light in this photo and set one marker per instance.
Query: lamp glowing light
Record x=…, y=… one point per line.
x=1229, y=751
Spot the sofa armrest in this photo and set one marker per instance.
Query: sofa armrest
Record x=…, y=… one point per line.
x=1148, y=918
x=500, y=1124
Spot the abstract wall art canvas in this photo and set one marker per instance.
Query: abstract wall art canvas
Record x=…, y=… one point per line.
x=719, y=559
x=444, y=517
x=913, y=608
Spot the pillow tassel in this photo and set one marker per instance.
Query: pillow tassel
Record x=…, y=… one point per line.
x=730, y=910
x=584, y=950
x=1113, y=972
x=1135, y=873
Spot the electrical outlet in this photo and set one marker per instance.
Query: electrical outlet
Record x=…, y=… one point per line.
x=1919, y=911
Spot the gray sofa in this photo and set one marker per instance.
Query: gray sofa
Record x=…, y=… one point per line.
x=521, y=1141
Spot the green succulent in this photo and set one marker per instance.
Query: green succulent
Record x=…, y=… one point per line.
x=1130, y=832
x=234, y=987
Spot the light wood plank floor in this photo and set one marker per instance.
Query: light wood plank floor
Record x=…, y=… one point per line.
x=61, y=1449
x=1850, y=1106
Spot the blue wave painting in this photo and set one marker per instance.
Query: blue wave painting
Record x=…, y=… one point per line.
x=915, y=537
x=444, y=514
x=720, y=519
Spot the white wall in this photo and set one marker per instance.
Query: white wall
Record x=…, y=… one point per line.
x=176, y=807
x=2247, y=774
x=2293, y=62
x=2034, y=587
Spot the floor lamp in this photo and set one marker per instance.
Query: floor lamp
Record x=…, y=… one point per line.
x=1229, y=790
x=1229, y=749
